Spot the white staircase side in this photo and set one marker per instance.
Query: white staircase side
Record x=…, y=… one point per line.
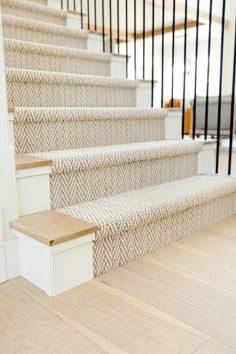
x=8, y=199
x=55, y=250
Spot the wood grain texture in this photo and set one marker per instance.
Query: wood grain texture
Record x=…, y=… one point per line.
x=214, y=347
x=26, y=327
x=127, y=324
x=26, y=161
x=180, y=300
x=51, y=227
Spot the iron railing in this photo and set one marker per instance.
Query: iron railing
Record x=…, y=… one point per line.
x=110, y=15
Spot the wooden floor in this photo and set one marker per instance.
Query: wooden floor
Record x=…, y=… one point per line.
x=180, y=300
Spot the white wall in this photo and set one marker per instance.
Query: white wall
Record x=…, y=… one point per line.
x=202, y=60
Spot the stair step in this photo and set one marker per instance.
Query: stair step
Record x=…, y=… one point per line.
x=48, y=129
x=36, y=56
x=133, y=224
x=26, y=162
x=35, y=31
x=30, y=88
x=33, y=11
x=51, y=227
x=88, y=174
x=42, y=2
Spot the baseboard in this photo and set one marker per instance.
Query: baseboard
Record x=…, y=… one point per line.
x=12, y=264
x=2, y=265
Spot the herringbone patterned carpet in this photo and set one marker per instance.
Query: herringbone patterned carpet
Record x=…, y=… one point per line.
x=111, y=164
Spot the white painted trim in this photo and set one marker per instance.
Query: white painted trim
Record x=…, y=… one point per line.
x=3, y=272
x=33, y=189
x=95, y=43
x=144, y=94
x=58, y=268
x=8, y=206
x=173, y=125
x=35, y=171
x=206, y=159
x=54, y=4
x=74, y=21
x=118, y=67
x=12, y=259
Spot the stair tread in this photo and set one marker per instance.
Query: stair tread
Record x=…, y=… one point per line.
x=61, y=114
x=36, y=7
x=129, y=210
x=80, y=159
x=54, y=50
x=70, y=79
x=42, y=26
x=25, y=161
x=51, y=227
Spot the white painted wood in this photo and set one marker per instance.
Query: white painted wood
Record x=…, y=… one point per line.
x=206, y=159
x=173, y=125
x=74, y=21
x=33, y=189
x=8, y=203
x=12, y=259
x=95, y=43
x=58, y=268
x=143, y=94
x=54, y=4
x=3, y=273
x=3, y=276
x=118, y=67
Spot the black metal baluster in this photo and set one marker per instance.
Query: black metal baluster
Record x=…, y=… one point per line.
x=126, y=37
x=185, y=64
x=95, y=15
x=118, y=26
x=81, y=14
x=163, y=54
x=103, y=26
x=62, y=6
x=144, y=34
x=68, y=5
x=232, y=108
x=173, y=56
x=135, y=39
x=208, y=70
x=74, y=5
x=153, y=62
x=110, y=26
x=88, y=9
x=220, y=86
x=196, y=71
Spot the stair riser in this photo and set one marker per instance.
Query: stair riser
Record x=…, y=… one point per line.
x=68, y=189
x=120, y=249
x=60, y=94
x=34, y=35
x=25, y=59
x=7, y=9
x=54, y=136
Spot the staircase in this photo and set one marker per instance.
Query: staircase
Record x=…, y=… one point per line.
x=111, y=168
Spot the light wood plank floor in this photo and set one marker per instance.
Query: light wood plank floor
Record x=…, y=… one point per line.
x=179, y=300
